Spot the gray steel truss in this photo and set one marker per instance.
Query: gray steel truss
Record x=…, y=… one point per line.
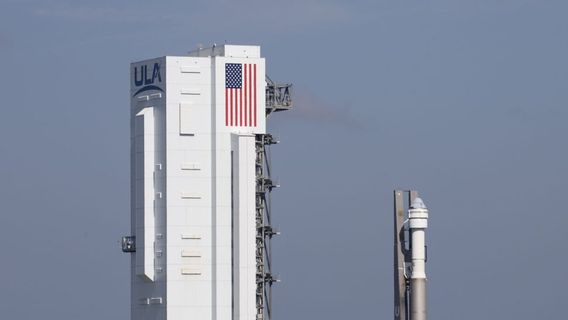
x=278, y=98
x=264, y=229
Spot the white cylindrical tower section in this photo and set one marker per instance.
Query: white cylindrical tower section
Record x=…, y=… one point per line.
x=418, y=222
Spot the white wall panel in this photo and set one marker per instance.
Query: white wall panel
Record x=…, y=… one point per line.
x=244, y=227
x=145, y=222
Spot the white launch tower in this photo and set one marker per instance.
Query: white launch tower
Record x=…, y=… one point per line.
x=200, y=217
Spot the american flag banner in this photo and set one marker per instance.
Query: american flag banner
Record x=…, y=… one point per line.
x=240, y=95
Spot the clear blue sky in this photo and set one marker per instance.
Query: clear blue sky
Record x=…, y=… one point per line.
x=462, y=100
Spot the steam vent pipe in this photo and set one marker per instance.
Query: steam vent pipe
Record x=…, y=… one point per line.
x=418, y=222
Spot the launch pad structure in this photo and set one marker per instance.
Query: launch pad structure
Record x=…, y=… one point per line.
x=201, y=184
x=278, y=98
x=410, y=256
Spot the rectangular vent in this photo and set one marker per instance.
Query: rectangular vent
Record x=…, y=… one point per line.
x=191, y=271
x=188, y=195
x=149, y=97
x=190, y=254
x=189, y=69
x=189, y=92
x=151, y=300
x=155, y=96
x=190, y=237
x=190, y=166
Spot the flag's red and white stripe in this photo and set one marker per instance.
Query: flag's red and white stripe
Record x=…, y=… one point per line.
x=240, y=103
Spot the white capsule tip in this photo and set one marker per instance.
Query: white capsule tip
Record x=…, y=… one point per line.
x=417, y=203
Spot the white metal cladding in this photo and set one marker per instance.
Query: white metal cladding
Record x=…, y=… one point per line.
x=193, y=189
x=244, y=226
x=145, y=166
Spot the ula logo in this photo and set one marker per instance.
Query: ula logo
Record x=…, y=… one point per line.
x=142, y=77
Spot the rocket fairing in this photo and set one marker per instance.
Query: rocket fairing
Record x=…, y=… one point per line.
x=418, y=223
x=193, y=122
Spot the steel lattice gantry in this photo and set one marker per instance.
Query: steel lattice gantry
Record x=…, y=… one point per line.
x=278, y=98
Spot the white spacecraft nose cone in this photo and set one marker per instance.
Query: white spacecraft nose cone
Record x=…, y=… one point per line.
x=418, y=204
